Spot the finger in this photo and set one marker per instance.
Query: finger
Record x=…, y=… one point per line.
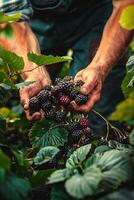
x=89, y=85
x=78, y=76
x=24, y=98
x=35, y=117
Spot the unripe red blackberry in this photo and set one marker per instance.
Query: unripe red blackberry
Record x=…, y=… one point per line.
x=81, y=99
x=34, y=105
x=87, y=132
x=64, y=100
x=84, y=122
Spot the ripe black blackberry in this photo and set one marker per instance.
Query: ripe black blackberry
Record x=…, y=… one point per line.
x=66, y=86
x=84, y=122
x=48, y=87
x=34, y=105
x=81, y=99
x=79, y=83
x=85, y=141
x=68, y=78
x=73, y=127
x=60, y=116
x=50, y=114
x=55, y=90
x=73, y=94
x=43, y=96
x=46, y=106
x=76, y=135
x=57, y=81
x=64, y=100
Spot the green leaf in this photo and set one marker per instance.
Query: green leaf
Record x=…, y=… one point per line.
x=5, y=161
x=131, y=137
x=2, y=174
x=15, y=188
x=130, y=64
x=14, y=62
x=7, y=32
x=127, y=18
x=78, y=156
x=24, y=84
x=41, y=135
x=125, y=110
x=45, y=154
x=58, y=193
x=60, y=175
x=9, y=19
x=47, y=60
x=80, y=186
x=3, y=75
x=5, y=86
x=127, y=84
x=102, y=149
x=119, y=146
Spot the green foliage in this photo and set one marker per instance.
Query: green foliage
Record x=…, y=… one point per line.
x=78, y=157
x=47, y=60
x=42, y=135
x=45, y=154
x=124, y=111
x=14, y=187
x=5, y=161
x=13, y=61
x=58, y=192
x=131, y=137
x=9, y=19
x=127, y=18
x=79, y=186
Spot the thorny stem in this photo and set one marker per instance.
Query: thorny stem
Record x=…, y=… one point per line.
x=109, y=125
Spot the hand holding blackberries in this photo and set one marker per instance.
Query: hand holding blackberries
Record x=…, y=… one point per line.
x=92, y=86
x=30, y=91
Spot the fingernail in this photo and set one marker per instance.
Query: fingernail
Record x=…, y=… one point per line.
x=25, y=106
x=84, y=90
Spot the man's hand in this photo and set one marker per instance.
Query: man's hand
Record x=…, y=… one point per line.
x=32, y=90
x=93, y=79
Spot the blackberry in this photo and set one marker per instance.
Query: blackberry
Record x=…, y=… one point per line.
x=73, y=94
x=50, y=114
x=34, y=105
x=73, y=127
x=64, y=100
x=81, y=99
x=48, y=87
x=66, y=86
x=57, y=81
x=43, y=96
x=60, y=116
x=46, y=106
x=76, y=135
x=55, y=90
x=85, y=141
x=68, y=78
x=84, y=122
x=55, y=101
x=79, y=83
x=87, y=132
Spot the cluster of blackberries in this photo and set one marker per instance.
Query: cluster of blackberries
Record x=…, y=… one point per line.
x=80, y=133
x=54, y=100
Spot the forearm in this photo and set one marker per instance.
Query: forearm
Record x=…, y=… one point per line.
x=22, y=42
x=114, y=41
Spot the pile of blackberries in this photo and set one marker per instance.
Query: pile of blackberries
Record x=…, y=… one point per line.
x=55, y=100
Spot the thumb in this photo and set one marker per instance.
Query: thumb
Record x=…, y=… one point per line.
x=87, y=87
x=24, y=98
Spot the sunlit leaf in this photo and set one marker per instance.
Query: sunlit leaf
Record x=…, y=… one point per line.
x=127, y=18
